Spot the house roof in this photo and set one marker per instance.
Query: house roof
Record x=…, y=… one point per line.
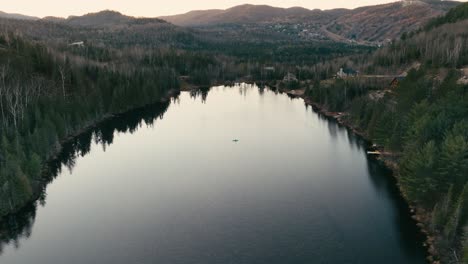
x=290, y=76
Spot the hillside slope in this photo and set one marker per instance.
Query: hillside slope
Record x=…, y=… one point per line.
x=17, y=16
x=107, y=29
x=387, y=21
x=103, y=18
x=370, y=23
x=236, y=15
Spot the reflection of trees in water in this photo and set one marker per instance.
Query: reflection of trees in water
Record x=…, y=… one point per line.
x=244, y=88
x=19, y=226
x=200, y=92
x=410, y=238
x=15, y=227
x=357, y=142
x=261, y=89
x=382, y=179
x=334, y=128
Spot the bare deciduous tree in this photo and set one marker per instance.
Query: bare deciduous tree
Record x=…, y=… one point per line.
x=3, y=73
x=13, y=97
x=63, y=76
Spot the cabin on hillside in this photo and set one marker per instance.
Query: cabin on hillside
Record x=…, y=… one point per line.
x=290, y=82
x=345, y=73
x=77, y=44
x=290, y=78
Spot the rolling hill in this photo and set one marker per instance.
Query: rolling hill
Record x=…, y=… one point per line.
x=17, y=16
x=377, y=23
x=238, y=14
x=370, y=24
x=106, y=29
x=102, y=19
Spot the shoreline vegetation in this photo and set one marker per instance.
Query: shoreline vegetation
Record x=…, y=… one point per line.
x=419, y=214
x=55, y=152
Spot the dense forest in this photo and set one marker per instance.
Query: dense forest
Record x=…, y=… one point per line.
x=422, y=119
x=44, y=98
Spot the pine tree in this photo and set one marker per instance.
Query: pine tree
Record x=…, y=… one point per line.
x=454, y=160
x=442, y=209
x=465, y=246
x=418, y=174
x=456, y=218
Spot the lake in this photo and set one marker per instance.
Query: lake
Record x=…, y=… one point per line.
x=231, y=175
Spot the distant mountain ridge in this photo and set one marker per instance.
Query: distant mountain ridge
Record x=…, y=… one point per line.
x=263, y=13
x=104, y=29
x=369, y=25
x=104, y=18
x=239, y=14
x=17, y=16
x=365, y=24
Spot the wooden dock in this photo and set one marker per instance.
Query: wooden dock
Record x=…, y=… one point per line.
x=380, y=153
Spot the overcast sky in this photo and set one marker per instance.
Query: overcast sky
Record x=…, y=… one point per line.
x=153, y=8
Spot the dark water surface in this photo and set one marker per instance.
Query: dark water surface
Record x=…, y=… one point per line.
x=168, y=185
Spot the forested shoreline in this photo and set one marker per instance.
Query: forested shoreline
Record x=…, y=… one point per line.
x=45, y=100
x=19, y=224
x=422, y=121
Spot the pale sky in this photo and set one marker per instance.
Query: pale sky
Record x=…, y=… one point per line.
x=154, y=8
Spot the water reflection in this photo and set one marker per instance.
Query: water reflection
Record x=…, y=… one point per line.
x=15, y=227
x=386, y=185
x=201, y=92
x=297, y=188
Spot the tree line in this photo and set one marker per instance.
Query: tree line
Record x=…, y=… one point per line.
x=47, y=96
x=423, y=119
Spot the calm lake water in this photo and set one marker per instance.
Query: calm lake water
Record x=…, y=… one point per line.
x=167, y=184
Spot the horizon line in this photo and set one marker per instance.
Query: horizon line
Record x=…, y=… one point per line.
x=195, y=10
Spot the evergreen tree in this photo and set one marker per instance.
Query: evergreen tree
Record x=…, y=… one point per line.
x=442, y=210
x=454, y=160
x=465, y=246
x=418, y=173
